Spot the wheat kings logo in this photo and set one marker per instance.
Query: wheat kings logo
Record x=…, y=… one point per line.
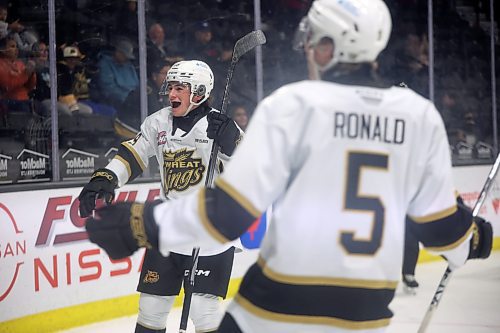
x=181, y=170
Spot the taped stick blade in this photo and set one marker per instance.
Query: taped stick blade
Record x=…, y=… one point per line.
x=248, y=42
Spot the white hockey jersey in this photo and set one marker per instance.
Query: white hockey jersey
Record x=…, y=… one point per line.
x=182, y=157
x=342, y=166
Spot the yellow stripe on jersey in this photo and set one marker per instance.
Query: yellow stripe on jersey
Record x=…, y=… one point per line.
x=454, y=244
x=236, y=196
x=314, y=320
x=136, y=156
x=126, y=163
x=202, y=209
x=436, y=216
x=324, y=281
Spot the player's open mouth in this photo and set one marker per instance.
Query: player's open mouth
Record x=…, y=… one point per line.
x=175, y=104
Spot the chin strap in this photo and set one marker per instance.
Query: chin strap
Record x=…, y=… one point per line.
x=314, y=73
x=192, y=104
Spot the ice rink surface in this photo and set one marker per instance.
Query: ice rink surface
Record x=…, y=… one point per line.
x=470, y=304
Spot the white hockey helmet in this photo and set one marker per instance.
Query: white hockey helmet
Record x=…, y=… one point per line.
x=196, y=73
x=360, y=29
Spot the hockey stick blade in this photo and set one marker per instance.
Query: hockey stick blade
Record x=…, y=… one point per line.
x=447, y=274
x=247, y=43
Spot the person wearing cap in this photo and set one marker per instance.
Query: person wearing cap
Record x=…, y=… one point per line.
x=72, y=83
x=117, y=76
x=203, y=45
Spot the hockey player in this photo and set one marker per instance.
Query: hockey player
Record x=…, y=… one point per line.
x=180, y=137
x=410, y=258
x=343, y=161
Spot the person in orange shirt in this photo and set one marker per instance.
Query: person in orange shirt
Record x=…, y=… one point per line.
x=17, y=79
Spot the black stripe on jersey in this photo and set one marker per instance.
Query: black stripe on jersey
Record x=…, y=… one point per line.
x=225, y=213
x=340, y=306
x=128, y=156
x=444, y=233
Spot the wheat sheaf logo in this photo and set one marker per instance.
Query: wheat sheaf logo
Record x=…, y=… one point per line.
x=181, y=170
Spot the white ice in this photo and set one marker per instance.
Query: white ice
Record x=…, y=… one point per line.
x=470, y=304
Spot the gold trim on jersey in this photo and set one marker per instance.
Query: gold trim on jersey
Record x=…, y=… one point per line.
x=454, y=244
x=126, y=163
x=436, y=216
x=134, y=152
x=324, y=281
x=205, y=221
x=236, y=196
x=315, y=320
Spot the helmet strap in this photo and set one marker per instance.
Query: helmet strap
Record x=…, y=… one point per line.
x=312, y=66
x=193, y=104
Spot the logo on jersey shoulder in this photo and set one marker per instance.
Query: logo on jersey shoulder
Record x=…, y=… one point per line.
x=151, y=277
x=162, y=138
x=134, y=140
x=181, y=170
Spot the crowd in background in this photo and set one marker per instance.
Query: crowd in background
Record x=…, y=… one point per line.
x=98, y=61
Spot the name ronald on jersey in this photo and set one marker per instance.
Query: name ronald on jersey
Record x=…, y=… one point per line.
x=181, y=170
x=369, y=127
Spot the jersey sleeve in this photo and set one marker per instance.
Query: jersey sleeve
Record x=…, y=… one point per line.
x=435, y=195
x=436, y=220
x=133, y=156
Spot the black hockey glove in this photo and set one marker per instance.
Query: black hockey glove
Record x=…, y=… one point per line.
x=102, y=184
x=223, y=131
x=482, y=239
x=122, y=228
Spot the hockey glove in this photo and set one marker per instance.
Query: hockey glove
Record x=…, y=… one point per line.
x=482, y=239
x=102, y=184
x=223, y=131
x=122, y=228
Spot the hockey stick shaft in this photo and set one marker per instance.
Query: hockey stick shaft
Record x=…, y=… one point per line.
x=241, y=47
x=188, y=290
x=448, y=273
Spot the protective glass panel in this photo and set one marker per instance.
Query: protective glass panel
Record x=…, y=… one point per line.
x=97, y=75
x=463, y=92
x=25, y=134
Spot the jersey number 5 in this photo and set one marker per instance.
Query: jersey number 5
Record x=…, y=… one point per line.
x=357, y=161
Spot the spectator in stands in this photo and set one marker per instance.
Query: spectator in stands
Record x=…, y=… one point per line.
x=157, y=50
x=128, y=118
x=203, y=46
x=125, y=21
x=240, y=115
x=117, y=76
x=72, y=83
x=412, y=64
x=17, y=79
x=25, y=38
x=41, y=93
x=8, y=28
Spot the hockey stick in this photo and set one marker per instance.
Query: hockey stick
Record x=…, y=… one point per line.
x=241, y=47
x=447, y=274
x=188, y=291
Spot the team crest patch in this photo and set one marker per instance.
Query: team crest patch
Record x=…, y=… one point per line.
x=151, y=277
x=162, y=138
x=181, y=170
